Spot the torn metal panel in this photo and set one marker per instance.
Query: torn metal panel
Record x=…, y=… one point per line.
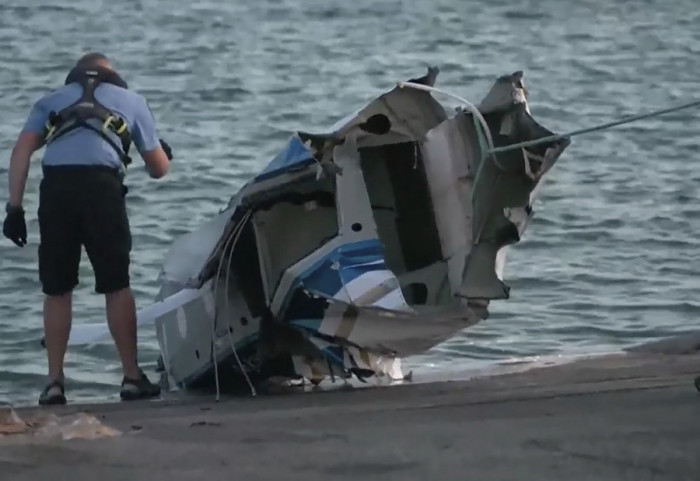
x=505, y=186
x=452, y=156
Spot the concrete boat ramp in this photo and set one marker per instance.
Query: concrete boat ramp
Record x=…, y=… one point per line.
x=630, y=416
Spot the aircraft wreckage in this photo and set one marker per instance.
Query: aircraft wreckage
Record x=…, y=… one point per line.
x=355, y=247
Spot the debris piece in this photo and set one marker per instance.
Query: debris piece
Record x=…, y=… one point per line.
x=50, y=426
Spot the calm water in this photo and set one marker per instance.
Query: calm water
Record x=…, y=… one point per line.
x=611, y=259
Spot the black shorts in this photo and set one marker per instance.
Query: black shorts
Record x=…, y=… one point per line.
x=83, y=207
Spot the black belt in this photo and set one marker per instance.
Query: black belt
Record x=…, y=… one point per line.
x=62, y=173
x=78, y=169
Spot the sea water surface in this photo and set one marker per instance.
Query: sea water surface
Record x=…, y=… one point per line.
x=611, y=259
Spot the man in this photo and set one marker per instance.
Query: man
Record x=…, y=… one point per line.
x=81, y=203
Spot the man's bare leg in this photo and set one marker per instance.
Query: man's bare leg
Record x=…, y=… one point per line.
x=121, y=316
x=57, y=324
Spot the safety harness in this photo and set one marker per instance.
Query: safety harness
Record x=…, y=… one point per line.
x=87, y=107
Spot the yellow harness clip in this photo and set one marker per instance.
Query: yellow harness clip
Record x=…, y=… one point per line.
x=50, y=129
x=107, y=123
x=112, y=121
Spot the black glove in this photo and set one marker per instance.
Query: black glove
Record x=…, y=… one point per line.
x=14, y=227
x=166, y=148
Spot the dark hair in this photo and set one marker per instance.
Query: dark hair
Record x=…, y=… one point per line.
x=92, y=60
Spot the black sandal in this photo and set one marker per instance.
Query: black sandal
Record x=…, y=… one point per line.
x=141, y=388
x=54, y=393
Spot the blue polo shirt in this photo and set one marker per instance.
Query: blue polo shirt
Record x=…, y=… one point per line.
x=85, y=147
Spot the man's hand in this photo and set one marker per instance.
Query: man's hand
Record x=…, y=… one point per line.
x=166, y=148
x=15, y=227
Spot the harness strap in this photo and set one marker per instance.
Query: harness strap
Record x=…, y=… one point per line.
x=88, y=107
